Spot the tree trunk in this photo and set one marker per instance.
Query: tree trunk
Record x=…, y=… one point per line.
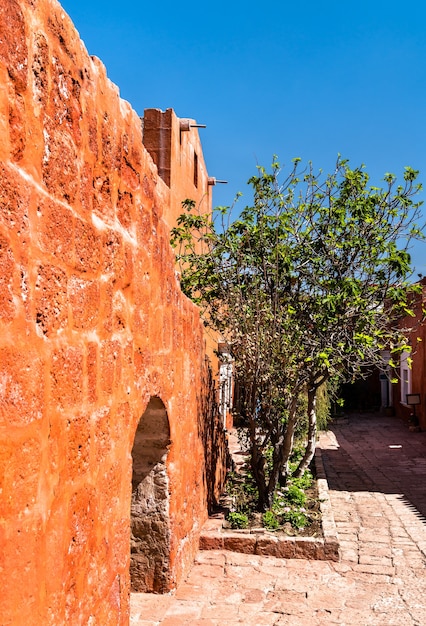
x=277, y=463
x=257, y=463
x=312, y=432
x=288, y=443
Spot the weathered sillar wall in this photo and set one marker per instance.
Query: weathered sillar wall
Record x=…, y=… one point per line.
x=92, y=325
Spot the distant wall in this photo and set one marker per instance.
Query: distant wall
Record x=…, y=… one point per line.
x=93, y=325
x=418, y=369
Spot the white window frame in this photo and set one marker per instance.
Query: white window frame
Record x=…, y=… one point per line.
x=405, y=376
x=225, y=384
x=385, y=382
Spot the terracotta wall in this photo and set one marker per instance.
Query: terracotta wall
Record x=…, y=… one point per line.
x=92, y=325
x=171, y=141
x=418, y=370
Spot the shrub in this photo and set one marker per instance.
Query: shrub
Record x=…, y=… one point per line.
x=297, y=519
x=270, y=520
x=238, y=520
x=296, y=496
x=303, y=482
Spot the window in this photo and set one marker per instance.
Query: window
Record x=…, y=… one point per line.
x=385, y=382
x=405, y=373
x=225, y=381
x=195, y=169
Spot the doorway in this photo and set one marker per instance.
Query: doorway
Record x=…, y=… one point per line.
x=149, y=516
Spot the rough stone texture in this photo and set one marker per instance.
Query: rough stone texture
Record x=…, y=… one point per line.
x=92, y=326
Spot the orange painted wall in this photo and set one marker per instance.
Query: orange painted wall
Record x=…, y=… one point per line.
x=418, y=370
x=92, y=324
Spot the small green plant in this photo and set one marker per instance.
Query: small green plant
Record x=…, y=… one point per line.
x=237, y=520
x=295, y=496
x=295, y=458
x=303, y=482
x=270, y=520
x=298, y=519
x=242, y=490
x=288, y=504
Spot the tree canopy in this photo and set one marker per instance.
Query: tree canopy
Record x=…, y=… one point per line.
x=306, y=286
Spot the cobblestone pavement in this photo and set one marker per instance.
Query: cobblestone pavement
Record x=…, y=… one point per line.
x=376, y=471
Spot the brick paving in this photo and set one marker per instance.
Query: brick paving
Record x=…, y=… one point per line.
x=376, y=471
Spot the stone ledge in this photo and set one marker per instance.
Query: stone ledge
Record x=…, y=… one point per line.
x=262, y=542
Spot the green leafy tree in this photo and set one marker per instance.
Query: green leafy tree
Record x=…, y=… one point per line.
x=306, y=286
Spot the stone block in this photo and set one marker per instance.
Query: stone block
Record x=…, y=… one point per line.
x=60, y=163
x=17, y=125
x=22, y=386
x=92, y=372
x=78, y=442
x=107, y=294
x=309, y=548
x=123, y=420
x=112, y=254
x=125, y=208
x=239, y=543
x=102, y=195
x=211, y=541
x=21, y=477
x=64, y=96
x=56, y=231
x=129, y=174
x=84, y=297
x=40, y=70
x=20, y=550
x=332, y=550
x=128, y=275
x=87, y=246
x=86, y=187
x=110, y=366
x=14, y=202
x=50, y=299
x=272, y=546
x=66, y=376
x=102, y=441
x=7, y=272
x=13, y=43
x=62, y=35
x=111, y=148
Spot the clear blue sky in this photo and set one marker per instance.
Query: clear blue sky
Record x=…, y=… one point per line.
x=309, y=79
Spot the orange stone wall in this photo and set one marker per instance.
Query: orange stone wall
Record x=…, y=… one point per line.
x=92, y=325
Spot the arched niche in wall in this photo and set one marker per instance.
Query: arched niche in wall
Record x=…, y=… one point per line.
x=149, y=517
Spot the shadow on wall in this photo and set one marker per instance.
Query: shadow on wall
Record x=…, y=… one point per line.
x=149, y=518
x=212, y=433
